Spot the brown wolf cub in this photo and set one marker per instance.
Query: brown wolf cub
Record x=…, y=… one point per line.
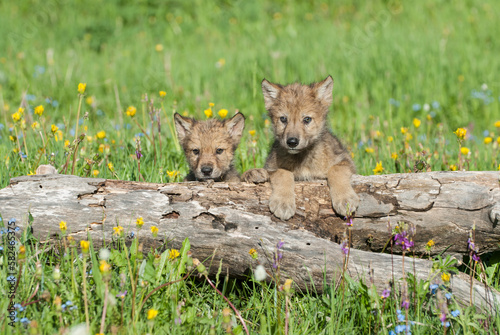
x=209, y=146
x=304, y=148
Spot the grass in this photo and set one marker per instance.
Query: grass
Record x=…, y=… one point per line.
x=406, y=77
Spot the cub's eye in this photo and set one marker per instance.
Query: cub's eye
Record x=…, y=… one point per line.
x=219, y=151
x=196, y=151
x=307, y=119
x=283, y=119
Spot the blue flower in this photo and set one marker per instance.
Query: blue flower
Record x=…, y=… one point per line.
x=486, y=133
x=11, y=278
x=446, y=324
x=455, y=313
x=30, y=97
x=416, y=107
x=448, y=295
x=17, y=306
x=435, y=105
x=1, y=126
x=25, y=320
x=394, y=102
x=99, y=112
x=402, y=328
x=433, y=288
x=12, y=221
x=1, y=248
x=17, y=229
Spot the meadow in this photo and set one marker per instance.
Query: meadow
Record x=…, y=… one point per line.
x=91, y=88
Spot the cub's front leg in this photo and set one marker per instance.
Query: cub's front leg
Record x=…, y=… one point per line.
x=255, y=176
x=282, y=200
x=341, y=191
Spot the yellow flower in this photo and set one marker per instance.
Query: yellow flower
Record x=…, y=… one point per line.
x=173, y=253
x=445, y=277
x=117, y=230
x=35, y=125
x=159, y=47
x=63, y=226
x=267, y=123
x=461, y=78
x=101, y=134
x=20, y=111
x=253, y=253
x=379, y=168
x=416, y=122
x=39, y=110
x=488, y=140
x=111, y=167
x=497, y=124
x=95, y=173
x=85, y=246
x=172, y=174
x=288, y=285
x=409, y=137
x=54, y=128
x=104, y=266
x=16, y=117
x=89, y=100
x=139, y=222
x=81, y=88
x=498, y=167
x=222, y=113
x=464, y=150
x=152, y=313
x=208, y=112
x=460, y=132
x=453, y=167
x=251, y=132
x=154, y=231
x=211, y=104
x=498, y=139
x=163, y=94
x=404, y=130
x=394, y=156
x=369, y=150
x=429, y=117
x=131, y=110
x=430, y=243
x=12, y=138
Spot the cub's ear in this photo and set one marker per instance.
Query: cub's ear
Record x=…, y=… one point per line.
x=183, y=126
x=271, y=92
x=235, y=126
x=323, y=90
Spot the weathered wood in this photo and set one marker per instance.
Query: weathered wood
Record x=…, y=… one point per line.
x=229, y=219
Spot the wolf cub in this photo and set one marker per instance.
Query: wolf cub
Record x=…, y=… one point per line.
x=209, y=146
x=304, y=148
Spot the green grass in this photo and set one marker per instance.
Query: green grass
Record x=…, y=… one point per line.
x=386, y=57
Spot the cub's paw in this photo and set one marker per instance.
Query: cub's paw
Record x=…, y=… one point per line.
x=282, y=206
x=255, y=176
x=348, y=201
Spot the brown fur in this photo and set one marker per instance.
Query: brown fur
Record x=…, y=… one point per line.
x=209, y=146
x=304, y=148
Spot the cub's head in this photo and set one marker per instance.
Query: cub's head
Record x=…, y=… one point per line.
x=298, y=112
x=209, y=145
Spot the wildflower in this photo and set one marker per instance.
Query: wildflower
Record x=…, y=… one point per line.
x=385, y=293
x=252, y=132
x=378, y=168
x=35, y=125
x=172, y=174
x=428, y=117
x=403, y=234
x=163, y=94
x=111, y=167
x=54, y=128
x=464, y=150
x=288, y=285
x=159, y=47
x=416, y=122
x=461, y=78
x=253, y=253
x=394, y=156
x=154, y=231
x=369, y=150
x=427, y=107
x=104, y=254
x=101, y=134
x=57, y=273
x=173, y=254
x=208, y=112
x=404, y=130
x=220, y=63
x=152, y=313
x=62, y=226
x=85, y=246
x=430, y=243
x=95, y=173
x=16, y=117
x=390, y=139
x=453, y=167
x=445, y=277
x=497, y=124
x=222, y=113
x=434, y=288
x=416, y=107
x=39, y=110
x=117, y=230
x=104, y=267
x=278, y=255
x=122, y=294
x=488, y=140
x=211, y=104
x=131, y=110
x=12, y=138
x=455, y=313
x=139, y=222
x=259, y=273
x=460, y=132
x=81, y=88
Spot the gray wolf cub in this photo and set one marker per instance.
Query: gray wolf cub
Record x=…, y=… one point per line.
x=209, y=146
x=304, y=148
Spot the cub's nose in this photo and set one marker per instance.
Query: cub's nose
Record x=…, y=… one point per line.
x=206, y=170
x=292, y=142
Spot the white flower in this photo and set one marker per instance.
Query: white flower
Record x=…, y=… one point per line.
x=259, y=273
x=104, y=254
x=484, y=87
x=427, y=107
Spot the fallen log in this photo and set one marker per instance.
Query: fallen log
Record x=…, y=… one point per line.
x=226, y=220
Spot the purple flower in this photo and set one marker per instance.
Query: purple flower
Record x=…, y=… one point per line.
x=280, y=245
x=442, y=317
x=475, y=257
x=386, y=293
x=122, y=294
x=178, y=321
x=405, y=304
x=138, y=154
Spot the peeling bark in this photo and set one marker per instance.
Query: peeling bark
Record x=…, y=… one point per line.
x=226, y=220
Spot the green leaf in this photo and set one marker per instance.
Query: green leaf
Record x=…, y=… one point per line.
x=186, y=246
